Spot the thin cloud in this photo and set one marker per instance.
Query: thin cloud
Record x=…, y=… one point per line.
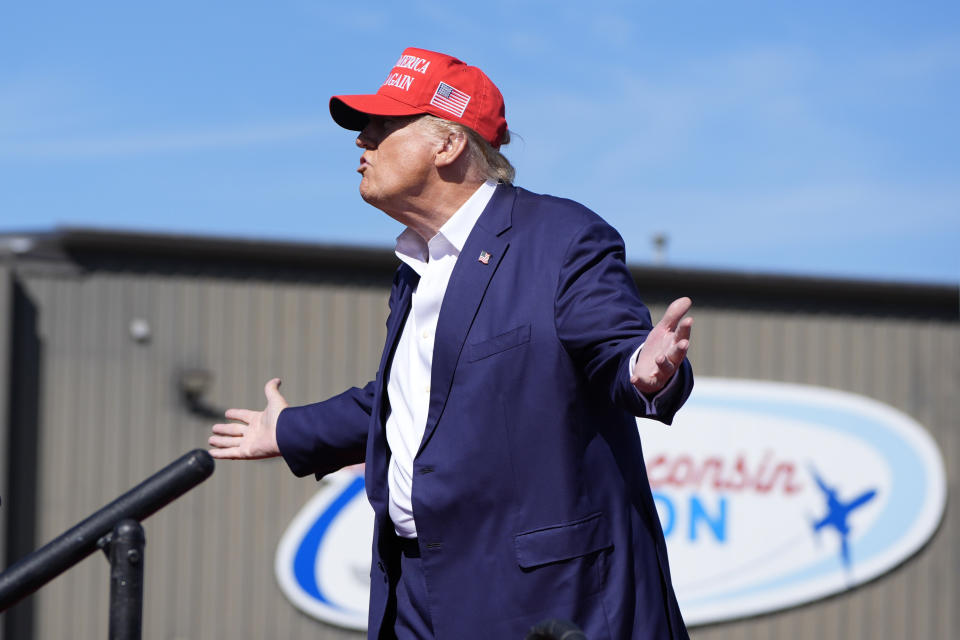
x=860, y=209
x=936, y=57
x=147, y=143
x=37, y=104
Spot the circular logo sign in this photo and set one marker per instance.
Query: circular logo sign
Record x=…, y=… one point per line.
x=771, y=495
x=323, y=559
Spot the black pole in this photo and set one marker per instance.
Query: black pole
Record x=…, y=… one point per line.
x=36, y=569
x=126, y=580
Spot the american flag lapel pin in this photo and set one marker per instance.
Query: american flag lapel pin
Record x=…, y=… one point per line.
x=484, y=258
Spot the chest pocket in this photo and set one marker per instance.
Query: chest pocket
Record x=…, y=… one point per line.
x=498, y=343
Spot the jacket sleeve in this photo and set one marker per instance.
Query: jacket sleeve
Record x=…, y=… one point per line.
x=325, y=436
x=601, y=320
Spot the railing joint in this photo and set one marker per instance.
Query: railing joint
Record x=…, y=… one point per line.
x=103, y=543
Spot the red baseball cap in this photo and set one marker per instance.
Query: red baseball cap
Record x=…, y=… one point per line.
x=429, y=82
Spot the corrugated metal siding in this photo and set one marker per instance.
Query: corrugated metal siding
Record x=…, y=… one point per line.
x=111, y=416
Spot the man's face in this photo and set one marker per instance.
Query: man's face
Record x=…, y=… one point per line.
x=397, y=160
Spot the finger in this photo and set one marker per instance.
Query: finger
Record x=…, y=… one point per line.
x=223, y=442
x=677, y=352
x=225, y=454
x=675, y=312
x=272, y=391
x=228, y=429
x=684, y=328
x=243, y=415
x=665, y=367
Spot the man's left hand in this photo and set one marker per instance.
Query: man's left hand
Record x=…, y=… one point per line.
x=665, y=348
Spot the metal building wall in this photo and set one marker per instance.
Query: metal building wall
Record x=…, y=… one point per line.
x=111, y=416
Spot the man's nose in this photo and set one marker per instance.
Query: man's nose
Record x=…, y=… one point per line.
x=364, y=140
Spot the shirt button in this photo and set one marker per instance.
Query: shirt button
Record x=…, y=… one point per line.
x=427, y=389
x=425, y=334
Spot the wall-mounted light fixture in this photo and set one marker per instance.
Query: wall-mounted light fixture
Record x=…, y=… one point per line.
x=193, y=385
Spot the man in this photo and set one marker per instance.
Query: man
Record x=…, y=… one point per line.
x=503, y=463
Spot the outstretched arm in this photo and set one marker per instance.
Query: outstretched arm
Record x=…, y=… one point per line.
x=601, y=322
x=254, y=434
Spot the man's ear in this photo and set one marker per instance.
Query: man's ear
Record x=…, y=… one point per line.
x=453, y=145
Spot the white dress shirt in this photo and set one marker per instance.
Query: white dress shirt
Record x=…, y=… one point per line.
x=408, y=385
x=408, y=382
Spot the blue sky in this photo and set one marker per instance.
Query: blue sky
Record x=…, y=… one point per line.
x=815, y=138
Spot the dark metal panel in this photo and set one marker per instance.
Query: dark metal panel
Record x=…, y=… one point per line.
x=21, y=448
x=6, y=342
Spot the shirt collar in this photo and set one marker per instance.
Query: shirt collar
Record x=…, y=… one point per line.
x=451, y=237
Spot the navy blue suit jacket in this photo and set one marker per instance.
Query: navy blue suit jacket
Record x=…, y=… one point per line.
x=530, y=494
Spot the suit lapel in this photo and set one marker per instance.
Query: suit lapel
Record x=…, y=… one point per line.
x=478, y=262
x=407, y=279
x=377, y=452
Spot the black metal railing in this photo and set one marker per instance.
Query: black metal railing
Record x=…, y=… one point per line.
x=116, y=530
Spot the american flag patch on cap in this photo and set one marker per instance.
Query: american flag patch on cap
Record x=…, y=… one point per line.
x=450, y=100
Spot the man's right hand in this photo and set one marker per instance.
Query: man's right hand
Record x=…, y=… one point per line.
x=254, y=434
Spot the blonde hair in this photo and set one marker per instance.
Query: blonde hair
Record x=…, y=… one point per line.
x=489, y=162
